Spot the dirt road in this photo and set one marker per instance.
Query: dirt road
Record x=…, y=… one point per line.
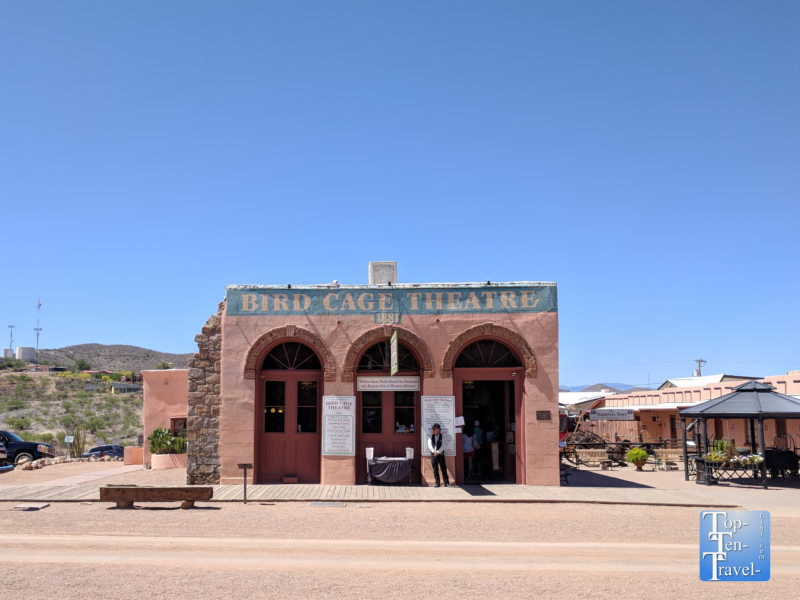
x=387, y=551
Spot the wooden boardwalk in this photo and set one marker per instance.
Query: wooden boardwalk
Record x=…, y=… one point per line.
x=363, y=493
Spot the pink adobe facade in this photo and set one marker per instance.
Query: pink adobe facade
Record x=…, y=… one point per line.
x=165, y=396
x=655, y=417
x=338, y=340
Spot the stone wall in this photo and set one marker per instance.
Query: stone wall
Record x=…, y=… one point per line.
x=202, y=463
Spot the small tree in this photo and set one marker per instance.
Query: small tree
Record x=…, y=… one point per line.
x=81, y=365
x=162, y=365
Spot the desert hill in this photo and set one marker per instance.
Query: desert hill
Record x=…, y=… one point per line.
x=115, y=357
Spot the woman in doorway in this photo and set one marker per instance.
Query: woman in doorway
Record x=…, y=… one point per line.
x=477, y=443
x=469, y=450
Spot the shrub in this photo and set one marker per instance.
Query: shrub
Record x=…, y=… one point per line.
x=162, y=365
x=163, y=442
x=18, y=423
x=12, y=363
x=636, y=456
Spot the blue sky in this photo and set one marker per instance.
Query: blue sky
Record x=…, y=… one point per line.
x=642, y=155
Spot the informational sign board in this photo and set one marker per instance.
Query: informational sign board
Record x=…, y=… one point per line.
x=611, y=414
x=69, y=439
x=394, y=354
x=442, y=410
x=459, y=421
x=339, y=425
x=400, y=383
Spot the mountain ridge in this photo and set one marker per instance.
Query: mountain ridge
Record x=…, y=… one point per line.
x=115, y=357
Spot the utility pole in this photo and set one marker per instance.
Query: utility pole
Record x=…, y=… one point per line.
x=38, y=329
x=11, y=337
x=698, y=371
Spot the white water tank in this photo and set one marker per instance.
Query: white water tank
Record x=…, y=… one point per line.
x=25, y=353
x=8, y=353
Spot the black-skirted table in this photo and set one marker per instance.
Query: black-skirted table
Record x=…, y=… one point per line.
x=388, y=470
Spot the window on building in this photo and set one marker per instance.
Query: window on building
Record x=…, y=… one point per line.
x=292, y=356
x=371, y=412
x=306, y=407
x=404, y=412
x=178, y=426
x=274, y=406
x=377, y=358
x=486, y=354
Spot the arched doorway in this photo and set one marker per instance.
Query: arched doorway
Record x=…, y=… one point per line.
x=387, y=420
x=488, y=378
x=288, y=415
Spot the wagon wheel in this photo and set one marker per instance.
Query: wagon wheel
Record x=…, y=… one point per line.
x=580, y=439
x=584, y=439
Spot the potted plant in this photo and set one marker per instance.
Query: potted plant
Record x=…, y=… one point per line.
x=167, y=450
x=637, y=457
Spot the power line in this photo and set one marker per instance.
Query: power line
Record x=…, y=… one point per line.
x=669, y=362
x=752, y=362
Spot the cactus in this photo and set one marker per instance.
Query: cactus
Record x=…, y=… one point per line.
x=163, y=442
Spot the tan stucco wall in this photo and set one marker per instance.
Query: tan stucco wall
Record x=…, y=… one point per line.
x=166, y=396
x=237, y=418
x=732, y=429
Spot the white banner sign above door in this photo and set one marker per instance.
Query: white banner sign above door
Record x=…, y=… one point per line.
x=403, y=383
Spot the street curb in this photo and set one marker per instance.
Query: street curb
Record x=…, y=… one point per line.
x=413, y=501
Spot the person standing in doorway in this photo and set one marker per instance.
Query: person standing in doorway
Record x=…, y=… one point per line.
x=478, y=443
x=469, y=450
x=435, y=446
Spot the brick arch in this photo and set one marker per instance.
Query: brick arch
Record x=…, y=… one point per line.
x=489, y=330
x=292, y=333
x=372, y=336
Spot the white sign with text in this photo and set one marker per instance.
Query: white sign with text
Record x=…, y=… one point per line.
x=339, y=425
x=611, y=414
x=400, y=383
x=441, y=410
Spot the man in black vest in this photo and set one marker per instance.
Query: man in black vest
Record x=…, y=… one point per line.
x=437, y=455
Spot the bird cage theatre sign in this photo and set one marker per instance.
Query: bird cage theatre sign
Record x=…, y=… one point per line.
x=303, y=381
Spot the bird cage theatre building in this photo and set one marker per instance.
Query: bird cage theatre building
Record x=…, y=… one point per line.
x=304, y=382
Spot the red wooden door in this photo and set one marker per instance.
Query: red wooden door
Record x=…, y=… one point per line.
x=289, y=436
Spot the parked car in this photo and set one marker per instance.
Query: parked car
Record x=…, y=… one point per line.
x=3, y=455
x=101, y=451
x=16, y=448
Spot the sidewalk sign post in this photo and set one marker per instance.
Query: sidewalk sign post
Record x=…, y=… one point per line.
x=245, y=466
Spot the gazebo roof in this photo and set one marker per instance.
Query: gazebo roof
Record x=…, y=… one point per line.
x=751, y=400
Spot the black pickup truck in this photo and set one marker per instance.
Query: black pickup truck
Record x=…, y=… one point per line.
x=16, y=448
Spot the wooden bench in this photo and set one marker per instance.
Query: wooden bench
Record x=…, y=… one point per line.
x=590, y=457
x=664, y=456
x=126, y=495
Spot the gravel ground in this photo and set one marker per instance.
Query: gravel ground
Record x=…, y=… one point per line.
x=69, y=582
x=17, y=477
x=286, y=549
x=144, y=477
x=381, y=521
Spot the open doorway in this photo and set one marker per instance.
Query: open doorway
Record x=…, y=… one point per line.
x=489, y=415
